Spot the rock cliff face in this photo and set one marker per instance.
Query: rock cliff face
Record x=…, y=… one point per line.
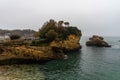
x=70, y=44
x=35, y=53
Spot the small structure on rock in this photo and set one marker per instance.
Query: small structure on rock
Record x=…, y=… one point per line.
x=97, y=41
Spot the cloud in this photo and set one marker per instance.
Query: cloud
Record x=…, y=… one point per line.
x=91, y=16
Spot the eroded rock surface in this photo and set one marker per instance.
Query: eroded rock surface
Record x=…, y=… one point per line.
x=70, y=44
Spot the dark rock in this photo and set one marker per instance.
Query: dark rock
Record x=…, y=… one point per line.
x=1, y=50
x=58, y=53
x=97, y=41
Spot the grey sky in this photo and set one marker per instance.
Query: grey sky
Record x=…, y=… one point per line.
x=100, y=17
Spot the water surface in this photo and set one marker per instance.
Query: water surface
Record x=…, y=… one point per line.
x=89, y=63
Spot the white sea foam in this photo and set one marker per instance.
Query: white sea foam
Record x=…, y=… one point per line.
x=116, y=46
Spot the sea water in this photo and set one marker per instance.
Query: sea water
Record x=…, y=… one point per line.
x=89, y=63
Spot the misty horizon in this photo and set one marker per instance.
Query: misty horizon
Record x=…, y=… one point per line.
x=100, y=17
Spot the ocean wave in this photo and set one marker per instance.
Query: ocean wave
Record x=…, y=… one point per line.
x=116, y=46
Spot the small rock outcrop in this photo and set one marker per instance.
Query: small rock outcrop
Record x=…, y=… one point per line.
x=97, y=41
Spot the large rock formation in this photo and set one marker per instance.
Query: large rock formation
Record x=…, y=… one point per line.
x=55, y=50
x=53, y=40
x=97, y=41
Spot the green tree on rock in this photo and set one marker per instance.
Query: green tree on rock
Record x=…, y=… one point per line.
x=51, y=35
x=66, y=24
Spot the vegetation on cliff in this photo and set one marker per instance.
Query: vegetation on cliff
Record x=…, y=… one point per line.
x=53, y=30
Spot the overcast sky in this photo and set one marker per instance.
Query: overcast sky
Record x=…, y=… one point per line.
x=100, y=17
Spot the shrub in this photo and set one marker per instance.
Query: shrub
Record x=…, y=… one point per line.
x=51, y=35
x=39, y=43
x=14, y=37
x=73, y=30
x=46, y=28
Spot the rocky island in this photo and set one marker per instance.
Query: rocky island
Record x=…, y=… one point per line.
x=97, y=41
x=50, y=42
